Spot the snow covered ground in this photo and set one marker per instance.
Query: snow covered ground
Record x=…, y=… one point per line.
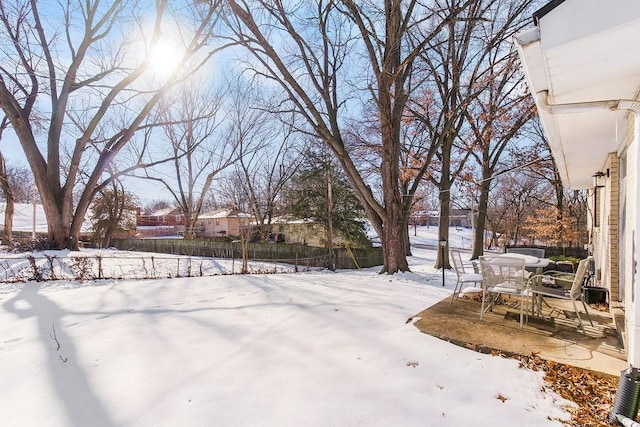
x=312, y=349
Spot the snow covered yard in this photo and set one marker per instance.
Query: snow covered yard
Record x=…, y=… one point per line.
x=311, y=349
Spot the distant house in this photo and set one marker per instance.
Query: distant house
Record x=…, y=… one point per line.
x=162, y=217
x=160, y=223
x=461, y=218
x=222, y=222
x=457, y=218
x=300, y=231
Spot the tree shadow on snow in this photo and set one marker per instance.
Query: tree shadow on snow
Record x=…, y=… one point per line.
x=82, y=406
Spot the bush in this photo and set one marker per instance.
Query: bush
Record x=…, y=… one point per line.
x=564, y=258
x=31, y=245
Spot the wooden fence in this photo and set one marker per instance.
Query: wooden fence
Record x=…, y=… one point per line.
x=298, y=255
x=550, y=251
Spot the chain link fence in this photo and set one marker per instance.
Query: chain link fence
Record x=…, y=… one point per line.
x=45, y=267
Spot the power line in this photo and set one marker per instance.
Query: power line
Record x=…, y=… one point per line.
x=502, y=172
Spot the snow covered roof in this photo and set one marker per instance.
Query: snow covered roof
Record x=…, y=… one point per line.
x=165, y=212
x=289, y=220
x=224, y=213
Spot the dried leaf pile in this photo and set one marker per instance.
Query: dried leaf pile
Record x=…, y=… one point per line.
x=592, y=392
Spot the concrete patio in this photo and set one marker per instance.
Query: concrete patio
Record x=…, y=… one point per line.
x=555, y=337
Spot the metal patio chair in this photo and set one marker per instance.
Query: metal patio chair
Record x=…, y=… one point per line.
x=503, y=275
x=464, y=273
x=555, y=290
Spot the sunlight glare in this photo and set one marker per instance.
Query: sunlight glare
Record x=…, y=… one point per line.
x=164, y=59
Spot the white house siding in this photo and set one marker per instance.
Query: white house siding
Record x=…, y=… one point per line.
x=628, y=174
x=211, y=229
x=301, y=232
x=598, y=238
x=216, y=227
x=630, y=241
x=616, y=239
x=580, y=65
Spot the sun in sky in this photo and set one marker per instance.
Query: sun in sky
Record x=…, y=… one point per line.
x=164, y=58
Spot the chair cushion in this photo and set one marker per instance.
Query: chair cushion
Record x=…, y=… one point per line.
x=471, y=277
x=471, y=290
x=506, y=288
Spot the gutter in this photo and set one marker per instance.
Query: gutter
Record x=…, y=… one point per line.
x=542, y=99
x=545, y=9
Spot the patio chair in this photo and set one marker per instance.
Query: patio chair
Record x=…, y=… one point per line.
x=548, y=286
x=503, y=275
x=464, y=277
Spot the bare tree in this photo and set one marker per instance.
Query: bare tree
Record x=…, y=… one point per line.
x=418, y=149
x=261, y=174
x=198, y=148
x=91, y=75
x=514, y=199
x=543, y=167
x=310, y=49
x=21, y=181
x=16, y=184
x=7, y=191
x=156, y=205
x=496, y=118
x=463, y=56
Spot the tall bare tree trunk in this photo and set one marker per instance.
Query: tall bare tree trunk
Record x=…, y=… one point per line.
x=190, y=226
x=443, y=229
x=481, y=220
x=7, y=236
x=559, y=190
x=405, y=237
x=392, y=99
x=445, y=210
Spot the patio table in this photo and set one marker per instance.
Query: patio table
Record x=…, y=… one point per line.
x=530, y=261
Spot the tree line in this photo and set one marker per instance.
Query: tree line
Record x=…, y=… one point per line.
x=404, y=95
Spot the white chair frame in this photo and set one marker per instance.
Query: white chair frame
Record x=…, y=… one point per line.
x=503, y=275
x=576, y=293
x=464, y=277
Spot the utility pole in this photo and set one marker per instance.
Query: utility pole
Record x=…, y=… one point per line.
x=33, y=202
x=329, y=216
